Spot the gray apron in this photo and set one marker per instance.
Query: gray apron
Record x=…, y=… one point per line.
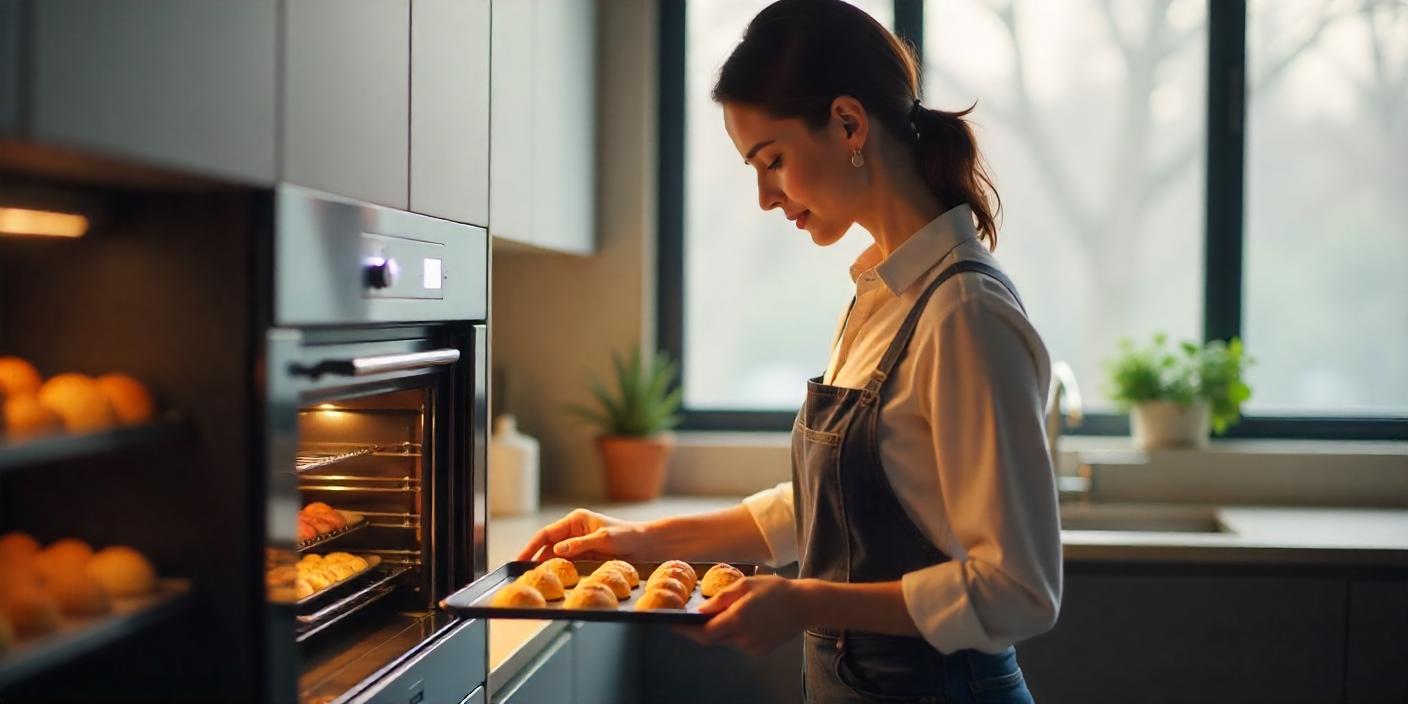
x=852, y=528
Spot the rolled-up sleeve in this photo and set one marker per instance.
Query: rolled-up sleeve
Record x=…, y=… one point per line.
x=773, y=512
x=988, y=373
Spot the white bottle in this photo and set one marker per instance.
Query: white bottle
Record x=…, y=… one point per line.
x=513, y=469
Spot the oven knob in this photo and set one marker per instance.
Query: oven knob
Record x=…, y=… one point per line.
x=382, y=273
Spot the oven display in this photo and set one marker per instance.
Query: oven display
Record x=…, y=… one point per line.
x=432, y=273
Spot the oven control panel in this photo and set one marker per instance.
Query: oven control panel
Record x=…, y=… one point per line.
x=397, y=267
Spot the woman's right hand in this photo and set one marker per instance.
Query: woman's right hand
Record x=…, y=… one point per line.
x=587, y=535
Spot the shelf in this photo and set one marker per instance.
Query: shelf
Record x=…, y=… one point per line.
x=326, y=538
x=19, y=454
x=78, y=637
x=318, y=456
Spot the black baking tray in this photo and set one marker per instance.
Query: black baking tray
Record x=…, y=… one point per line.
x=473, y=600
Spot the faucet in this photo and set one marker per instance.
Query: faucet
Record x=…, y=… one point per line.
x=1063, y=383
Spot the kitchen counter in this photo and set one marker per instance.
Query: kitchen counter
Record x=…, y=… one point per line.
x=1252, y=535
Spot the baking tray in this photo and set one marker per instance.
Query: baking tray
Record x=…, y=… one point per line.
x=473, y=600
x=355, y=522
x=341, y=585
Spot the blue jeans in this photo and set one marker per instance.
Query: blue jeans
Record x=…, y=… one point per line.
x=874, y=668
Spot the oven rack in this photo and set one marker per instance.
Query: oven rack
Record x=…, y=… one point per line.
x=20, y=454
x=319, y=455
x=373, y=591
x=326, y=538
x=403, y=484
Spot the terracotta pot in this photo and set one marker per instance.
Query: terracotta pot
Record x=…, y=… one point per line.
x=1156, y=424
x=635, y=466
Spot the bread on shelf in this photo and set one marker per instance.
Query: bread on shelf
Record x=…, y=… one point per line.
x=77, y=399
x=563, y=569
x=124, y=572
x=515, y=595
x=129, y=400
x=718, y=578
x=590, y=595
x=655, y=599
x=612, y=580
x=545, y=582
x=626, y=569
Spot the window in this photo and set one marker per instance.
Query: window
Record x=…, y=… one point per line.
x=1146, y=186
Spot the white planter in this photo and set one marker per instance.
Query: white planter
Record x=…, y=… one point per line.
x=1156, y=424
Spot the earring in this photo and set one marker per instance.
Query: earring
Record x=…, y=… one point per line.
x=857, y=160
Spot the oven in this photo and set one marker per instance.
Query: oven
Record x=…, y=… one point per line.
x=374, y=372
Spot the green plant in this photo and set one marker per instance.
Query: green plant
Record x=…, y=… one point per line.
x=1212, y=371
x=641, y=402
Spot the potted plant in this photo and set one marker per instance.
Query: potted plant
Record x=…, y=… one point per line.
x=1175, y=398
x=635, y=418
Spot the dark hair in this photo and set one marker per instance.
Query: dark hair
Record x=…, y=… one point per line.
x=797, y=56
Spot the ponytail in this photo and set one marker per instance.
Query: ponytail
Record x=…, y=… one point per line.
x=953, y=167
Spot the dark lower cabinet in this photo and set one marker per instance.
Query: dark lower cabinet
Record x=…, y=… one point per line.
x=1376, y=658
x=605, y=664
x=1166, y=636
x=547, y=679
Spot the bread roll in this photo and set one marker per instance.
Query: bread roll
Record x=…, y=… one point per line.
x=78, y=594
x=306, y=530
x=302, y=589
x=78, y=401
x=718, y=577
x=17, y=549
x=590, y=595
x=31, y=611
x=62, y=558
x=322, y=523
x=626, y=569
x=683, y=574
x=318, y=507
x=130, y=401
x=25, y=417
x=691, y=578
x=611, y=579
x=669, y=584
x=515, y=595
x=546, y=583
x=18, y=377
x=563, y=569
x=659, y=599
x=124, y=572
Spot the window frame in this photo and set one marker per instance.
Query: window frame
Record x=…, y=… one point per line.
x=1223, y=232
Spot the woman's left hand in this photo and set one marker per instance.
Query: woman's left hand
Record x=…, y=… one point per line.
x=755, y=614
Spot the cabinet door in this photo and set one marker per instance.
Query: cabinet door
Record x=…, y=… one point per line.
x=1376, y=660
x=1183, y=638
x=450, y=109
x=9, y=66
x=511, y=139
x=605, y=665
x=564, y=125
x=346, y=98
x=548, y=679
x=183, y=83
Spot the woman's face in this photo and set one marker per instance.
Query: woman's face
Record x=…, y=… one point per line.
x=806, y=173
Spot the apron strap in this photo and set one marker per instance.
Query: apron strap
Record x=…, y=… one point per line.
x=906, y=331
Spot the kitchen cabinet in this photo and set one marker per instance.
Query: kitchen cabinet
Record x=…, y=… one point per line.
x=605, y=663
x=1376, y=658
x=543, y=111
x=450, y=109
x=346, y=98
x=547, y=679
x=189, y=84
x=1180, y=636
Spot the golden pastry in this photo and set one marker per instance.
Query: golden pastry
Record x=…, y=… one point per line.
x=129, y=399
x=17, y=377
x=318, y=578
x=546, y=583
x=626, y=569
x=322, y=523
x=78, y=401
x=669, y=584
x=684, y=575
x=659, y=599
x=62, y=558
x=342, y=569
x=718, y=577
x=26, y=417
x=611, y=579
x=123, y=571
x=318, y=507
x=302, y=589
x=31, y=611
x=686, y=568
x=306, y=530
x=78, y=594
x=563, y=569
x=311, y=557
x=591, y=595
x=17, y=548
x=515, y=595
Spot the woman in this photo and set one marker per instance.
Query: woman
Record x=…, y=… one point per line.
x=923, y=509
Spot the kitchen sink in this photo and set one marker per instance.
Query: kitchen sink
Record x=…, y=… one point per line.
x=1141, y=518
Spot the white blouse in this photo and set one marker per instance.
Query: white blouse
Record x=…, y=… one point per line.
x=962, y=440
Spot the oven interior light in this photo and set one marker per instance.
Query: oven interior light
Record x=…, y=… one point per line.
x=326, y=407
x=44, y=223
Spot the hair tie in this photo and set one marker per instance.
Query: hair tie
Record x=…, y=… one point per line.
x=914, y=116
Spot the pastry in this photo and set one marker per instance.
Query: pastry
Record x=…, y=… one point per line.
x=78, y=594
x=31, y=611
x=516, y=595
x=318, y=507
x=718, y=577
x=659, y=599
x=590, y=595
x=683, y=574
x=669, y=584
x=302, y=589
x=546, y=583
x=611, y=579
x=129, y=399
x=26, y=417
x=17, y=377
x=322, y=523
x=626, y=569
x=78, y=401
x=685, y=566
x=563, y=569
x=62, y=558
x=17, y=548
x=306, y=530
x=124, y=572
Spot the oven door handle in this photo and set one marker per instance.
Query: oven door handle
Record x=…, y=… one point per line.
x=379, y=364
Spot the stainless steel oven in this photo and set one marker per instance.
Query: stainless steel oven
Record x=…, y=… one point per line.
x=374, y=375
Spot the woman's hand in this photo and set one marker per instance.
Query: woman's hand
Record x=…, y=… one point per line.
x=755, y=614
x=587, y=535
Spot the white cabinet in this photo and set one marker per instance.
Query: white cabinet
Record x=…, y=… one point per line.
x=450, y=109
x=542, y=146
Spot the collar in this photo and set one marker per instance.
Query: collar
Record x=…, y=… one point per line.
x=918, y=254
